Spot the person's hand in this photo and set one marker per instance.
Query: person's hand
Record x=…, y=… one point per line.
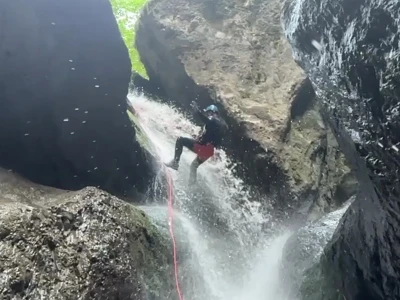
x=194, y=106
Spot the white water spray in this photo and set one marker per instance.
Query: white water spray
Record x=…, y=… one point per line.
x=237, y=262
x=228, y=256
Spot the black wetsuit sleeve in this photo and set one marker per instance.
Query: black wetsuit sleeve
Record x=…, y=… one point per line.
x=202, y=117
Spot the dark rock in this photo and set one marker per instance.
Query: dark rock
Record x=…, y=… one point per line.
x=4, y=232
x=64, y=75
x=355, y=70
x=17, y=286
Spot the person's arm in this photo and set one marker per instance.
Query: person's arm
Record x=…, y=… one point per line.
x=202, y=117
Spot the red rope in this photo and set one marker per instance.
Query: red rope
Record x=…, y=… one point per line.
x=170, y=220
x=171, y=232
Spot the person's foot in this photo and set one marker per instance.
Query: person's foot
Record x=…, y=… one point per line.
x=173, y=164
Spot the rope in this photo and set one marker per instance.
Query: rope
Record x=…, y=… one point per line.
x=171, y=231
x=170, y=223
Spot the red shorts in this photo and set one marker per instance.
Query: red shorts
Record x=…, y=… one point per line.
x=203, y=152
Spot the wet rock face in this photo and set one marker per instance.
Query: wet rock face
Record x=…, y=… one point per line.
x=64, y=74
x=301, y=255
x=234, y=54
x=355, y=71
x=87, y=244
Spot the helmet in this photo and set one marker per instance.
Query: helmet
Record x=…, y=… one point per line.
x=212, y=108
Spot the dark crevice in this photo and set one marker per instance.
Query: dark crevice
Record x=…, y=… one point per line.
x=303, y=100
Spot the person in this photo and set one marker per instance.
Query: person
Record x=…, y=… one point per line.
x=209, y=139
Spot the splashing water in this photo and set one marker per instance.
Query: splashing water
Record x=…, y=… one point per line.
x=227, y=254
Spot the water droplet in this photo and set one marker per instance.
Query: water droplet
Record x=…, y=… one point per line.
x=28, y=122
x=52, y=23
x=96, y=86
x=71, y=60
x=72, y=132
x=88, y=171
x=75, y=176
x=26, y=134
x=94, y=141
x=73, y=69
x=95, y=168
x=106, y=94
x=316, y=45
x=92, y=157
x=77, y=108
x=95, y=78
x=126, y=177
x=117, y=169
x=66, y=120
x=119, y=104
x=83, y=122
x=86, y=112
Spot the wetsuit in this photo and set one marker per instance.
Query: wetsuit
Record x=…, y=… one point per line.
x=210, y=138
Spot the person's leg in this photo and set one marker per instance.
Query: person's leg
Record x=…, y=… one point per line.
x=180, y=143
x=203, y=152
x=193, y=169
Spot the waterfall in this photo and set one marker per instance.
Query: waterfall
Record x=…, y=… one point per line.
x=225, y=251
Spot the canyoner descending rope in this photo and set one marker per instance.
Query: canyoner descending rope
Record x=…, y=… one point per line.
x=171, y=231
x=170, y=203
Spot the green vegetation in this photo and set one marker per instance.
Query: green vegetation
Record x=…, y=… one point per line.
x=127, y=13
x=140, y=135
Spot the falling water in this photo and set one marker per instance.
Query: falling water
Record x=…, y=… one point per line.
x=225, y=252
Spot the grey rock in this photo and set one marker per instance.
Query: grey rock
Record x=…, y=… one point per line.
x=113, y=252
x=233, y=53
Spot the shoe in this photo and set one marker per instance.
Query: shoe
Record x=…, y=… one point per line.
x=173, y=164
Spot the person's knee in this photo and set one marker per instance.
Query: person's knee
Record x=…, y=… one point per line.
x=180, y=141
x=185, y=142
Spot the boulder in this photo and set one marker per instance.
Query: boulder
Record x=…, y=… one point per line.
x=86, y=244
x=234, y=53
x=64, y=75
x=350, y=51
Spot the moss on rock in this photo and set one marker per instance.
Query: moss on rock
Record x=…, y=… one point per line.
x=141, y=136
